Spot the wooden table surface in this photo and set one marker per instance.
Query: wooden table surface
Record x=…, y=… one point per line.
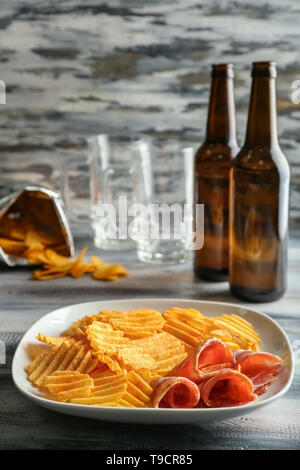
x=24, y=425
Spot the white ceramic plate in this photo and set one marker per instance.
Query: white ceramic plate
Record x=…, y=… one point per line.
x=274, y=340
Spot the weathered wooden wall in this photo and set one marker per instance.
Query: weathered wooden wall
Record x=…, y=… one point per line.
x=78, y=67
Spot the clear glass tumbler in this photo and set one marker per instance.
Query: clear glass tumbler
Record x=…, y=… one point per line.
x=111, y=189
x=164, y=212
x=75, y=190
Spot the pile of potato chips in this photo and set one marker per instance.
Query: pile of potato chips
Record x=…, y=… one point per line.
x=110, y=358
x=55, y=265
x=38, y=247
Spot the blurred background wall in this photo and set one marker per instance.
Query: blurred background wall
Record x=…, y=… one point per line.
x=74, y=68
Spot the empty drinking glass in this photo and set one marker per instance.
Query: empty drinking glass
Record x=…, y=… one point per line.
x=163, y=190
x=75, y=190
x=111, y=188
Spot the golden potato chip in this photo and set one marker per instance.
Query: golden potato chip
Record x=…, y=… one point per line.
x=135, y=323
x=59, y=266
x=108, y=390
x=135, y=358
x=74, y=328
x=243, y=324
x=39, y=365
x=133, y=331
x=164, y=366
x=79, y=266
x=101, y=367
x=33, y=241
x=114, y=349
x=242, y=332
x=83, y=361
x=182, y=331
x=104, y=339
x=35, y=237
x=232, y=345
x=139, y=391
x=18, y=233
x=12, y=247
x=34, y=349
x=54, y=259
x=37, y=359
x=222, y=334
x=65, y=385
x=111, y=362
x=164, y=348
x=190, y=317
x=50, y=273
x=79, y=327
x=55, y=341
x=85, y=322
x=63, y=357
x=35, y=256
x=68, y=361
x=160, y=346
x=63, y=373
x=107, y=272
x=189, y=325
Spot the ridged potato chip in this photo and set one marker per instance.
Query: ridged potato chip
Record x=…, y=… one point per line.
x=191, y=327
x=241, y=331
x=65, y=385
x=34, y=349
x=184, y=332
x=139, y=391
x=165, y=349
x=108, y=390
x=190, y=316
x=62, y=358
x=135, y=323
x=104, y=339
x=134, y=358
x=114, y=349
x=163, y=366
x=160, y=346
x=55, y=340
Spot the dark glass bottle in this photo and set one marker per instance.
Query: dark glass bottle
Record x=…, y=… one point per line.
x=259, y=199
x=212, y=165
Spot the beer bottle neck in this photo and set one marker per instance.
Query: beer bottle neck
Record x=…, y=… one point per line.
x=262, y=119
x=221, y=126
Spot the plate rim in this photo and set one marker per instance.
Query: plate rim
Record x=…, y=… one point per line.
x=163, y=411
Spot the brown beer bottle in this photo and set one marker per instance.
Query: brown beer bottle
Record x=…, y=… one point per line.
x=212, y=164
x=259, y=199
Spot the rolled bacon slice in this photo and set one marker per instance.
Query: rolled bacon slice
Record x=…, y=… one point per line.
x=227, y=387
x=204, y=361
x=174, y=392
x=261, y=368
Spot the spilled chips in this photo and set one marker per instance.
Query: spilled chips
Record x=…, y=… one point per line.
x=38, y=247
x=112, y=357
